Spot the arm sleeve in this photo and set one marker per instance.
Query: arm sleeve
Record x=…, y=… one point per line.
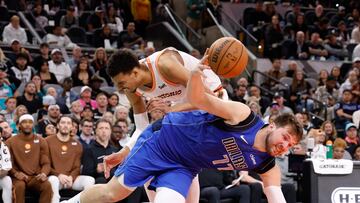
x=141, y=122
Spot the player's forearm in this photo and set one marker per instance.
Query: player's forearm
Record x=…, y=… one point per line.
x=133, y=139
x=274, y=194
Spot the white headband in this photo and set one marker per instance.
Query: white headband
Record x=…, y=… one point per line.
x=26, y=117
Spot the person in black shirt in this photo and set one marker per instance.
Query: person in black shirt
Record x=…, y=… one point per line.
x=30, y=100
x=96, y=20
x=129, y=38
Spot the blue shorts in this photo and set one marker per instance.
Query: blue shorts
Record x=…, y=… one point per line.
x=146, y=161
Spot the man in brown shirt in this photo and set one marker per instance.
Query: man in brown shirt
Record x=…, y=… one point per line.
x=65, y=157
x=31, y=164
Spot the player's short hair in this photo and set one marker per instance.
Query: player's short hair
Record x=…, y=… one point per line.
x=102, y=121
x=64, y=116
x=122, y=61
x=290, y=120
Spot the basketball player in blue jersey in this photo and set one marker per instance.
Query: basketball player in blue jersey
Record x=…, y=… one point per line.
x=225, y=136
x=161, y=77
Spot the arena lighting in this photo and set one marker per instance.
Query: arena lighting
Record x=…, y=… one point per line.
x=259, y=47
x=337, y=5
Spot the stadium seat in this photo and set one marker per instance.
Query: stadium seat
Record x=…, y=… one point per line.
x=77, y=35
x=286, y=80
x=76, y=90
x=312, y=82
x=57, y=87
x=108, y=89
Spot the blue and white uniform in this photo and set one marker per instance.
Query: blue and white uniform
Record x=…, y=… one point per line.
x=173, y=150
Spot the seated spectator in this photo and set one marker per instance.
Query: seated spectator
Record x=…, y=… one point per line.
x=319, y=14
x=99, y=63
x=355, y=33
x=356, y=155
x=13, y=31
x=329, y=129
x=240, y=94
x=296, y=10
x=86, y=135
x=5, y=163
x=323, y=76
x=69, y=19
x=96, y=20
x=274, y=72
x=75, y=58
x=60, y=69
x=5, y=91
x=103, y=38
x=58, y=38
x=339, y=149
x=300, y=25
x=85, y=97
x=273, y=112
x=343, y=36
x=125, y=128
x=307, y=124
x=92, y=160
x=116, y=136
x=349, y=82
x=351, y=137
x=273, y=38
x=22, y=71
x=299, y=49
x=76, y=109
x=102, y=106
x=44, y=56
x=141, y=10
x=29, y=99
x=257, y=16
x=65, y=157
x=31, y=164
x=9, y=109
x=108, y=116
x=40, y=16
x=264, y=102
x=300, y=93
x=212, y=187
x=292, y=69
x=340, y=16
x=19, y=111
x=95, y=83
x=335, y=49
x=6, y=130
x=42, y=113
x=129, y=38
x=336, y=74
x=45, y=75
x=82, y=73
x=316, y=49
x=113, y=101
x=5, y=63
x=319, y=150
x=114, y=22
x=322, y=28
x=87, y=113
x=323, y=93
x=279, y=100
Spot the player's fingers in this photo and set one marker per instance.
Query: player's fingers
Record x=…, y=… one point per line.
x=204, y=59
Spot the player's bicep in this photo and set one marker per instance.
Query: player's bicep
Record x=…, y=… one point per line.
x=272, y=177
x=172, y=70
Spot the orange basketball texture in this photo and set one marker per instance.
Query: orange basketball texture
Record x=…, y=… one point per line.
x=228, y=57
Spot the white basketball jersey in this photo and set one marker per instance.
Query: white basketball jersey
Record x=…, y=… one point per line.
x=169, y=91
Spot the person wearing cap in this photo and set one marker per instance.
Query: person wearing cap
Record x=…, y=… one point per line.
x=52, y=116
x=322, y=93
x=69, y=19
x=5, y=166
x=279, y=100
x=96, y=20
x=56, y=65
x=351, y=138
x=58, y=38
x=44, y=56
x=85, y=97
x=21, y=71
x=14, y=31
x=65, y=158
x=31, y=164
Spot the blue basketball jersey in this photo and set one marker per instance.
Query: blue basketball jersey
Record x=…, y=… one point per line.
x=198, y=140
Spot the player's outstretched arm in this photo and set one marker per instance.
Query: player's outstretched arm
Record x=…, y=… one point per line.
x=234, y=112
x=272, y=185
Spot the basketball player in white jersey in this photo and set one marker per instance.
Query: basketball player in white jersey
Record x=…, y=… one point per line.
x=161, y=77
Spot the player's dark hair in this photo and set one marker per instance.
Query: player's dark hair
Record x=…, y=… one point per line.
x=122, y=61
x=64, y=116
x=290, y=120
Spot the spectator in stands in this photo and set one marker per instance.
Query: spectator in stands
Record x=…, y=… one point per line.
x=30, y=160
x=116, y=136
x=44, y=56
x=53, y=115
x=60, y=69
x=50, y=130
x=5, y=91
x=212, y=187
x=323, y=76
x=257, y=16
x=195, y=10
x=264, y=102
x=14, y=31
x=29, y=99
x=329, y=129
x=121, y=112
x=5, y=180
x=7, y=130
x=69, y=19
x=76, y=109
x=340, y=16
x=319, y=14
x=344, y=110
x=296, y=10
x=335, y=48
x=87, y=113
x=109, y=116
x=45, y=75
x=349, y=82
x=42, y=113
x=316, y=49
x=113, y=101
x=129, y=38
x=65, y=158
x=292, y=68
x=240, y=93
x=274, y=72
x=95, y=84
x=52, y=92
x=5, y=63
x=82, y=73
x=323, y=28
x=343, y=36
x=99, y=63
x=300, y=25
x=85, y=97
x=102, y=106
x=124, y=125
x=21, y=72
x=355, y=33
x=279, y=100
x=339, y=149
x=141, y=10
x=351, y=137
x=15, y=49
x=103, y=38
x=323, y=93
x=299, y=49
x=273, y=38
x=86, y=136
x=66, y=97
x=100, y=147
x=75, y=57
x=356, y=155
x=58, y=38
x=9, y=110
x=114, y=22
x=19, y=111
x=40, y=16
x=96, y=20
x=300, y=93
x=336, y=74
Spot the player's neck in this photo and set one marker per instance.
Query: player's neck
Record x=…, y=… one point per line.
x=260, y=139
x=147, y=76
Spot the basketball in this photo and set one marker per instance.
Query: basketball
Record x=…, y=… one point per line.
x=228, y=57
